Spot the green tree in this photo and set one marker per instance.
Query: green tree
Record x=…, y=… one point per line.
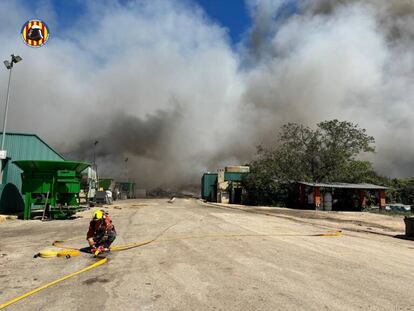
x=325, y=154
x=401, y=190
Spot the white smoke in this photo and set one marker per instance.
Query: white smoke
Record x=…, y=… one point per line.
x=344, y=59
x=160, y=83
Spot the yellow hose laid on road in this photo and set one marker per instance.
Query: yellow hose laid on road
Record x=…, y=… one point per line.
x=130, y=245
x=203, y=236
x=36, y=290
x=138, y=244
x=94, y=265
x=337, y=233
x=68, y=253
x=232, y=235
x=48, y=253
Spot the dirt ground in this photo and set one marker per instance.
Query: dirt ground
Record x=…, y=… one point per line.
x=215, y=258
x=384, y=224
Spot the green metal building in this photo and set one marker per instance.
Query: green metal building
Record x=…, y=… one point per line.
x=209, y=184
x=21, y=147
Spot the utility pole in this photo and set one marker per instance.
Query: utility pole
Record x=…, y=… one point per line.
x=126, y=169
x=3, y=153
x=94, y=166
x=94, y=153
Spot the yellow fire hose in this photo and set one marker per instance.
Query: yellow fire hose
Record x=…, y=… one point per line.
x=101, y=261
x=36, y=290
x=202, y=236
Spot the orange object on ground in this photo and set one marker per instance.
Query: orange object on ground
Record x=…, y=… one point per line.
x=317, y=196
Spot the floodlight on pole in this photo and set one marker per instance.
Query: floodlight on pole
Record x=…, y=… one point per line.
x=16, y=58
x=9, y=65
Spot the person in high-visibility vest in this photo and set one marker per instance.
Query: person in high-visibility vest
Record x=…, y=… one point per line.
x=101, y=231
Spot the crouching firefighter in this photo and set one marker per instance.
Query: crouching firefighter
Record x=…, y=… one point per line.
x=101, y=232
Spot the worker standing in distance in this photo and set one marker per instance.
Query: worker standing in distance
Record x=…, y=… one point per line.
x=101, y=232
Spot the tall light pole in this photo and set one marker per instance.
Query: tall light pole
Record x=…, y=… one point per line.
x=3, y=154
x=126, y=168
x=94, y=166
x=94, y=152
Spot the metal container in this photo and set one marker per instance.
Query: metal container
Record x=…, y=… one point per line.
x=89, y=185
x=327, y=201
x=409, y=226
x=126, y=189
x=53, y=184
x=106, y=184
x=208, y=183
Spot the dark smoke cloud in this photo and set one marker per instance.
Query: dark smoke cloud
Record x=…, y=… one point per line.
x=147, y=137
x=154, y=81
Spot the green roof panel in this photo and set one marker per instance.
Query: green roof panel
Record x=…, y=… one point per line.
x=47, y=166
x=25, y=147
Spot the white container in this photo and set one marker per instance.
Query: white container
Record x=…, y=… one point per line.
x=327, y=201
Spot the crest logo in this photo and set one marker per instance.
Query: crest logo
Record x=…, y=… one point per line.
x=35, y=33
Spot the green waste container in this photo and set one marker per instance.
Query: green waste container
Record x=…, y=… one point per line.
x=53, y=184
x=409, y=226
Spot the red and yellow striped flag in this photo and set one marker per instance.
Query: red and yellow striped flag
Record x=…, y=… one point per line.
x=35, y=33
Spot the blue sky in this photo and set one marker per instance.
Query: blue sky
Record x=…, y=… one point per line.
x=231, y=14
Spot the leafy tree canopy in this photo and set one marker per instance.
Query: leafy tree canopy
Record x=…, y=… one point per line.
x=325, y=154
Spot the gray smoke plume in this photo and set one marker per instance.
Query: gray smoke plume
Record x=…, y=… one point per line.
x=159, y=83
x=338, y=59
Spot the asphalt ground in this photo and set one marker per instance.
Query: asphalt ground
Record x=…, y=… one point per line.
x=208, y=258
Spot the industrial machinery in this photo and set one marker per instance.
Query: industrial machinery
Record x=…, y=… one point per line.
x=51, y=186
x=89, y=185
x=127, y=189
x=104, y=193
x=106, y=183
